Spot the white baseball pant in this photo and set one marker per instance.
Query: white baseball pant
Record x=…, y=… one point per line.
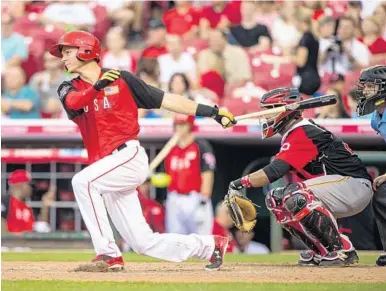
x=186, y=215
x=110, y=184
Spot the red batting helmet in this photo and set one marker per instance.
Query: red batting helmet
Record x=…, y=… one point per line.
x=181, y=118
x=275, y=98
x=89, y=46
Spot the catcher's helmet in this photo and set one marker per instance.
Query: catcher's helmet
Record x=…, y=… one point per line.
x=371, y=89
x=276, y=98
x=89, y=46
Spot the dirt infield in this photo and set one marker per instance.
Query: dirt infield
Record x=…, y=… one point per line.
x=193, y=272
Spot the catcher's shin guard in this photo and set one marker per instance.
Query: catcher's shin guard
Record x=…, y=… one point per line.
x=296, y=208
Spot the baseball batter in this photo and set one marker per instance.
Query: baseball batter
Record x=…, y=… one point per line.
x=336, y=183
x=371, y=96
x=190, y=164
x=104, y=104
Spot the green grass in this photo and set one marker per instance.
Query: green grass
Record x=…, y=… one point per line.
x=365, y=258
x=42, y=285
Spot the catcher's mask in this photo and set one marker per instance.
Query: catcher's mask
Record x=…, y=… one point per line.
x=276, y=98
x=371, y=89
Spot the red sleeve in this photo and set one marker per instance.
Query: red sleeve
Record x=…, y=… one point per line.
x=378, y=47
x=297, y=149
x=233, y=12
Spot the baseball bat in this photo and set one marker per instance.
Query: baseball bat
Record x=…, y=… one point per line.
x=301, y=105
x=163, y=153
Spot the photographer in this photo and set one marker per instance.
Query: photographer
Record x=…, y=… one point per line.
x=343, y=53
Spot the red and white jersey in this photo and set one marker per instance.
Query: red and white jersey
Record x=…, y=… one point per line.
x=111, y=118
x=18, y=214
x=185, y=165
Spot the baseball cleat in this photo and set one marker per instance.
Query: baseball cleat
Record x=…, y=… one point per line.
x=113, y=264
x=339, y=258
x=102, y=263
x=309, y=258
x=217, y=258
x=381, y=261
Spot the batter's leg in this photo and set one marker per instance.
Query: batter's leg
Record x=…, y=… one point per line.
x=379, y=205
x=126, y=214
x=94, y=214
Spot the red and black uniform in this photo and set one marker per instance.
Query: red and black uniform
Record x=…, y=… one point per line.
x=312, y=151
x=185, y=165
x=153, y=212
x=18, y=215
x=111, y=118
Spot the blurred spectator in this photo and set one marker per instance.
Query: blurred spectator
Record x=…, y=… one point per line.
x=16, y=215
x=305, y=58
x=380, y=15
x=325, y=28
x=14, y=49
x=307, y=77
x=46, y=84
x=372, y=38
x=354, y=10
x=230, y=60
x=156, y=40
x=176, y=61
x=337, y=82
x=179, y=84
x=117, y=54
x=247, y=246
x=126, y=14
x=249, y=33
x=19, y=100
x=284, y=32
x=345, y=53
x=333, y=111
x=69, y=13
x=153, y=212
x=219, y=15
x=266, y=13
x=148, y=71
x=182, y=20
x=14, y=9
x=222, y=224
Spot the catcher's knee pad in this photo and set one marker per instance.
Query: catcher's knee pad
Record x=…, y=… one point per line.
x=313, y=215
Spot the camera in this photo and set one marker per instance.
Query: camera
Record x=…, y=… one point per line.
x=336, y=47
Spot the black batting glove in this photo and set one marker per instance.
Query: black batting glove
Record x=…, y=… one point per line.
x=107, y=78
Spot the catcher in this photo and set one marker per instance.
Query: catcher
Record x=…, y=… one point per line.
x=335, y=184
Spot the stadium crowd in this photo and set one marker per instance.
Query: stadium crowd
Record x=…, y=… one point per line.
x=224, y=52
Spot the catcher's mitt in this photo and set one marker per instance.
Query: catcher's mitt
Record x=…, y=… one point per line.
x=242, y=210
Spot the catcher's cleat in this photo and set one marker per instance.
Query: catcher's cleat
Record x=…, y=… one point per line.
x=339, y=258
x=309, y=258
x=217, y=258
x=102, y=263
x=381, y=261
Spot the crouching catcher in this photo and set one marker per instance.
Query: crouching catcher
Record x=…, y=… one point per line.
x=335, y=183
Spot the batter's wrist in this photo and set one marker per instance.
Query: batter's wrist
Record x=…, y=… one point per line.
x=206, y=111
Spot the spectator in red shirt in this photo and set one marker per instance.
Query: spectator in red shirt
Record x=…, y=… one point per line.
x=222, y=224
x=182, y=20
x=220, y=15
x=153, y=211
x=156, y=41
x=372, y=38
x=16, y=215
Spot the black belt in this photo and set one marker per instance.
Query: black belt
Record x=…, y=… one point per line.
x=121, y=147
